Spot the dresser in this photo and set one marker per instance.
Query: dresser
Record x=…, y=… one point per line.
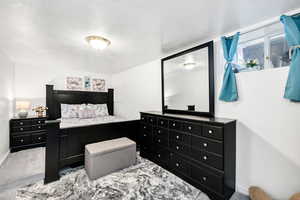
x=201, y=151
x=27, y=133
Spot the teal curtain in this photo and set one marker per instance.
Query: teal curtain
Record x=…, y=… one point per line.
x=229, y=91
x=292, y=32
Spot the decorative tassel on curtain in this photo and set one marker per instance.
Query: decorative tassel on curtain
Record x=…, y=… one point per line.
x=229, y=91
x=292, y=32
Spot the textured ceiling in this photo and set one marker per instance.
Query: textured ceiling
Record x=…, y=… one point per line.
x=50, y=33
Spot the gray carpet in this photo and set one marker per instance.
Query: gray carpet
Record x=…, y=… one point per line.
x=22, y=168
x=145, y=180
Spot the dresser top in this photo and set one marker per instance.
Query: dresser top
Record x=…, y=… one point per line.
x=191, y=117
x=27, y=118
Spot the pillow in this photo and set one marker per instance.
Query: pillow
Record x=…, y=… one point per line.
x=100, y=109
x=69, y=111
x=86, y=111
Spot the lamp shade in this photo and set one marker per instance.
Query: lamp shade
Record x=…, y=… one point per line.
x=22, y=105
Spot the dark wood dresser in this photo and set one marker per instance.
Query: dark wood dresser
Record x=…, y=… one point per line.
x=202, y=151
x=27, y=133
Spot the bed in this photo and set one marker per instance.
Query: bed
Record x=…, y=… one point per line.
x=66, y=139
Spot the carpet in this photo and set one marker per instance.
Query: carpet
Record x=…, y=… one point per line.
x=145, y=180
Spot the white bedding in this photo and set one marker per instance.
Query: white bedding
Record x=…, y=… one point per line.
x=76, y=122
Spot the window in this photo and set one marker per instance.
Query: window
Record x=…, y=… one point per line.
x=262, y=49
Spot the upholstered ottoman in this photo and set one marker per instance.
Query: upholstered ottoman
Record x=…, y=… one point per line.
x=105, y=157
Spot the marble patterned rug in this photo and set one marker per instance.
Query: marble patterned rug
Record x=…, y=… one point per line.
x=142, y=181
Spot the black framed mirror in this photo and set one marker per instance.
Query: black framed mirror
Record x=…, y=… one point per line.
x=188, y=82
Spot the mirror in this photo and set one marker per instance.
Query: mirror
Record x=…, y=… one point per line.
x=188, y=81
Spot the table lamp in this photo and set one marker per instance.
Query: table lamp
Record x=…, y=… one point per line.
x=22, y=108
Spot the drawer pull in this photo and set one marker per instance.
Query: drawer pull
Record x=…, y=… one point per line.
x=177, y=164
x=190, y=128
x=21, y=140
x=21, y=129
x=21, y=123
x=177, y=137
x=205, y=144
x=174, y=124
x=143, y=118
x=39, y=127
x=158, y=140
x=145, y=127
x=204, y=157
x=177, y=147
x=39, y=122
x=145, y=135
x=151, y=120
x=161, y=122
x=158, y=155
x=39, y=138
x=210, y=131
x=159, y=131
x=204, y=178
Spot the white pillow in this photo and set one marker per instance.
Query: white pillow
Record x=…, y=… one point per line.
x=86, y=111
x=100, y=109
x=69, y=111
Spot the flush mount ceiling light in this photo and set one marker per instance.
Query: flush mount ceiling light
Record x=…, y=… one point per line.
x=97, y=42
x=189, y=63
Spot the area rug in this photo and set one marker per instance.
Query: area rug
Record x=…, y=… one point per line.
x=145, y=180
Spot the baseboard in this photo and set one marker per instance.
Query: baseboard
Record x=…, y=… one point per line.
x=4, y=157
x=242, y=190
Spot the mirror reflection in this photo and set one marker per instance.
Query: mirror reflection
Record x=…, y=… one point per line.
x=186, y=82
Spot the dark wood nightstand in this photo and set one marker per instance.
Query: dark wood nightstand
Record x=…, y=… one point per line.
x=27, y=133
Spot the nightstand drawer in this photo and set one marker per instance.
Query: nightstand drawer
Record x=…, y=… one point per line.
x=38, y=138
x=18, y=123
x=21, y=140
x=39, y=127
x=38, y=122
x=21, y=129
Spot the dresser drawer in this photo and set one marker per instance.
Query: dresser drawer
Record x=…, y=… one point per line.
x=21, y=123
x=145, y=138
x=178, y=164
x=38, y=138
x=162, y=122
x=21, y=140
x=180, y=148
x=207, y=178
x=208, y=158
x=144, y=119
x=157, y=131
x=193, y=128
x=38, y=122
x=213, y=132
x=152, y=120
x=161, y=156
x=158, y=140
x=21, y=129
x=180, y=137
x=207, y=145
x=146, y=128
x=173, y=124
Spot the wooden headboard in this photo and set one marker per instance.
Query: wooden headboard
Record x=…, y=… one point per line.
x=54, y=98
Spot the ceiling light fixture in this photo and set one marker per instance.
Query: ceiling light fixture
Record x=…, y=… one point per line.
x=98, y=42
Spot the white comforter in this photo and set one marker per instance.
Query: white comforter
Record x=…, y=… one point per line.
x=76, y=122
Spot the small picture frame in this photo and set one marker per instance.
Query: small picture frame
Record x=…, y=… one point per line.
x=74, y=83
x=87, y=83
x=98, y=85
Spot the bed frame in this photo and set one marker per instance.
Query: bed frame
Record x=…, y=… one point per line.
x=65, y=147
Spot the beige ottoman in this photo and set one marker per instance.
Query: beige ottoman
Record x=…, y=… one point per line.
x=106, y=157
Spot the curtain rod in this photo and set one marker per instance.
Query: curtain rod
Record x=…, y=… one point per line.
x=266, y=25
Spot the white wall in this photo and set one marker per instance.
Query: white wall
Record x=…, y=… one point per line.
x=30, y=81
x=137, y=89
x=6, y=98
x=268, y=125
